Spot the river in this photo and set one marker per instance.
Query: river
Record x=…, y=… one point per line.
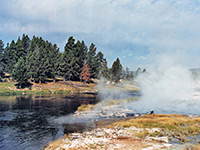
x=27, y=122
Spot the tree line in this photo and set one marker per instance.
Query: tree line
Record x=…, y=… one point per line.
x=38, y=60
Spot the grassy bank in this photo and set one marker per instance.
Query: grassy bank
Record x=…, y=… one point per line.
x=144, y=132
x=63, y=87
x=173, y=126
x=9, y=88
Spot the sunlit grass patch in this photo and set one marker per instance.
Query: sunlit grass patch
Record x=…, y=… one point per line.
x=178, y=126
x=141, y=134
x=56, y=144
x=196, y=147
x=192, y=147
x=85, y=107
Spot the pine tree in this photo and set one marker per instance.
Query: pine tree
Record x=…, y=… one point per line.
x=53, y=60
x=104, y=71
x=1, y=48
x=91, y=61
x=43, y=60
x=48, y=60
x=116, y=71
x=85, y=74
x=37, y=60
x=20, y=51
x=99, y=62
x=4, y=57
x=25, y=42
x=31, y=58
x=101, y=66
x=110, y=74
x=34, y=44
x=62, y=66
x=20, y=73
x=79, y=57
x=84, y=51
x=40, y=63
x=67, y=60
x=1, y=57
x=76, y=62
x=10, y=57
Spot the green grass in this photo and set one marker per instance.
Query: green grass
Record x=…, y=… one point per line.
x=9, y=93
x=8, y=89
x=62, y=91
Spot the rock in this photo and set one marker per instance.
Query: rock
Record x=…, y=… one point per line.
x=76, y=136
x=160, y=139
x=158, y=146
x=104, y=138
x=153, y=130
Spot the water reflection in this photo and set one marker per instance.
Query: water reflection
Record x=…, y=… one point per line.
x=26, y=121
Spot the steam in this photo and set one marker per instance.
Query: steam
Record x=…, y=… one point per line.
x=70, y=119
x=166, y=87
x=114, y=94
x=169, y=88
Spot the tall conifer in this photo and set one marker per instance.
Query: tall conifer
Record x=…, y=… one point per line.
x=20, y=73
x=116, y=70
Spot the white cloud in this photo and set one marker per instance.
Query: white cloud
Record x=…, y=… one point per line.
x=142, y=58
x=161, y=26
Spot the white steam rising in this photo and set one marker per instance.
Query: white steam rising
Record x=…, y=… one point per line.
x=169, y=88
x=70, y=119
x=114, y=94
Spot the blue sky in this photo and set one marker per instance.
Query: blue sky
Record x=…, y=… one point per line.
x=136, y=31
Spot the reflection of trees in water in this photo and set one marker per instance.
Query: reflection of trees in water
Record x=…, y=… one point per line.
x=31, y=120
x=34, y=125
x=26, y=120
x=53, y=106
x=33, y=114
x=6, y=102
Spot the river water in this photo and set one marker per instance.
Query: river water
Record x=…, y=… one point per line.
x=27, y=122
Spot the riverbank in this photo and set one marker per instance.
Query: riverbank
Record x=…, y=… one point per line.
x=145, y=132
x=62, y=87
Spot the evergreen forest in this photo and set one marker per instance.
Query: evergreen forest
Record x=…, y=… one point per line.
x=40, y=61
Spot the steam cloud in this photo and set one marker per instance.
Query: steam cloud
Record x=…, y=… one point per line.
x=169, y=88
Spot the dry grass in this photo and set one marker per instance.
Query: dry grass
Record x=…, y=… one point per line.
x=197, y=147
x=178, y=126
x=85, y=107
x=56, y=144
x=193, y=147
